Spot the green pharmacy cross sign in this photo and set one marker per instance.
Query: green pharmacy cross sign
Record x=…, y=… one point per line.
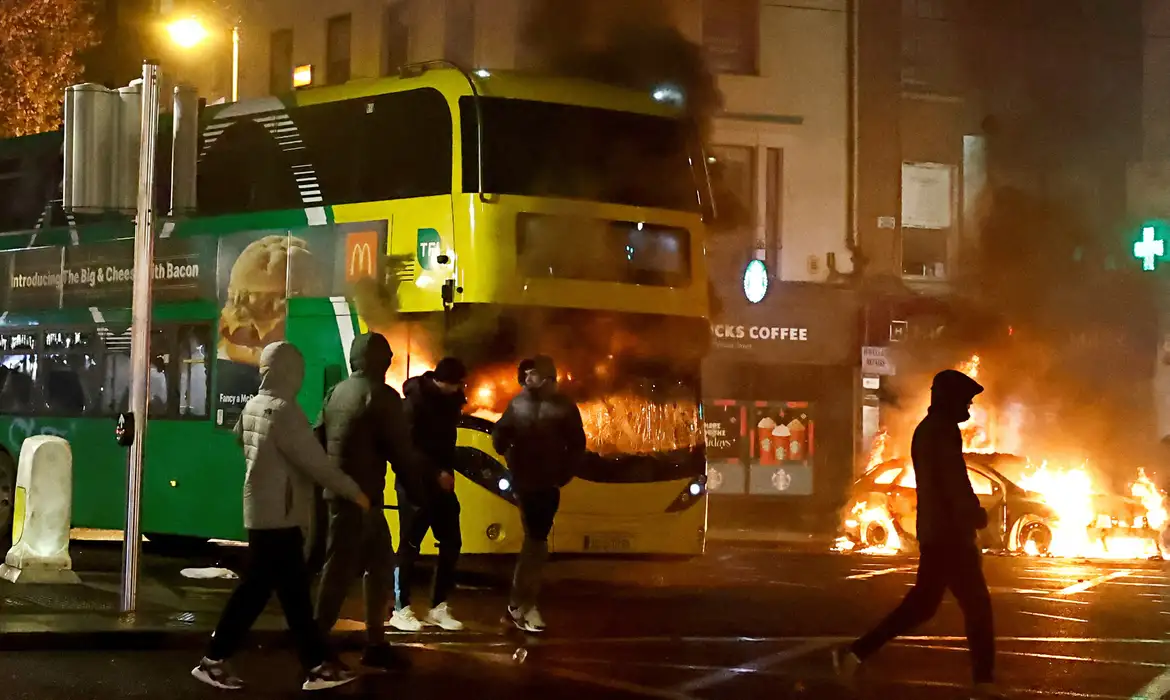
x=1152, y=245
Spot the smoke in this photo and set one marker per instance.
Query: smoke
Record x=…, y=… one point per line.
x=634, y=45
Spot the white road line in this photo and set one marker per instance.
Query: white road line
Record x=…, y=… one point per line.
x=1052, y=617
x=1061, y=601
x=1157, y=689
x=754, y=666
x=1086, y=585
x=882, y=572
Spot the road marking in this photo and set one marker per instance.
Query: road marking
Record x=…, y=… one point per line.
x=1086, y=585
x=1053, y=617
x=1030, y=691
x=1156, y=689
x=754, y=666
x=1065, y=601
x=612, y=684
x=882, y=572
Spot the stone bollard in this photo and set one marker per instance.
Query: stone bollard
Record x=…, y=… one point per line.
x=41, y=518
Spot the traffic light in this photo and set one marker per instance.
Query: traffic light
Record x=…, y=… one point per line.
x=1151, y=245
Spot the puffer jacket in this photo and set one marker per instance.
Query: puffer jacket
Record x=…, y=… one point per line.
x=434, y=419
x=365, y=426
x=541, y=436
x=284, y=459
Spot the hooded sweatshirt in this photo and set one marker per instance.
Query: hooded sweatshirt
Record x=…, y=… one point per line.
x=434, y=419
x=284, y=460
x=948, y=509
x=540, y=434
x=366, y=427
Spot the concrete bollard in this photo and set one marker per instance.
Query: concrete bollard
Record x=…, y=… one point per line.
x=41, y=518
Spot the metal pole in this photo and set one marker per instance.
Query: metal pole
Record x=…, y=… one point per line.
x=236, y=63
x=140, y=330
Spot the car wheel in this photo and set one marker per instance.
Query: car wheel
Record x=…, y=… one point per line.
x=1031, y=535
x=875, y=534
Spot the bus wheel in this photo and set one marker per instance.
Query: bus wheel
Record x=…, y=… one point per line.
x=177, y=543
x=7, y=499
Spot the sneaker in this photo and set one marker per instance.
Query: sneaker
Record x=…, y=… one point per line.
x=217, y=674
x=328, y=675
x=404, y=620
x=530, y=621
x=384, y=657
x=440, y=616
x=987, y=691
x=845, y=665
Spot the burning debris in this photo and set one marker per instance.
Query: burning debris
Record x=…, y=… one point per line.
x=1044, y=508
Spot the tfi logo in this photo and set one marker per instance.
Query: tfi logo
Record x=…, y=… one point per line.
x=361, y=249
x=429, y=247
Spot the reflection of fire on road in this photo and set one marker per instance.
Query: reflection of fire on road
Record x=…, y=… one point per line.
x=1084, y=524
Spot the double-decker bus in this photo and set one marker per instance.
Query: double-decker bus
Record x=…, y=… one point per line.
x=489, y=216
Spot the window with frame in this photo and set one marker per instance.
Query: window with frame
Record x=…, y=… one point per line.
x=338, y=48
x=731, y=36
x=280, y=62
x=70, y=369
x=18, y=372
x=459, y=35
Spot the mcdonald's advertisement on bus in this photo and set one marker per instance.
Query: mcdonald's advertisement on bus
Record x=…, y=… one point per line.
x=259, y=271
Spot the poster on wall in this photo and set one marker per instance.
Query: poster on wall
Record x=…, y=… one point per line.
x=258, y=271
x=772, y=451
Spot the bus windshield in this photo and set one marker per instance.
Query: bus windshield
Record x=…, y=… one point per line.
x=545, y=149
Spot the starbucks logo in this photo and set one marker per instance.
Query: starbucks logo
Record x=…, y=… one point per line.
x=714, y=479
x=782, y=480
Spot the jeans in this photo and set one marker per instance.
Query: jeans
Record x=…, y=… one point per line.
x=943, y=566
x=440, y=516
x=537, y=511
x=276, y=564
x=359, y=545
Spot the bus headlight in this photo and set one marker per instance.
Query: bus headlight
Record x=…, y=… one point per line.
x=692, y=494
x=504, y=485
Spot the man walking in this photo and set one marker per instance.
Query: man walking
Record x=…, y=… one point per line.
x=541, y=436
x=365, y=427
x=283, y=461
x=949, y=518
x=434, y=402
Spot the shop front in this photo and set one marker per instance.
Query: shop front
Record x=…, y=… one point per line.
x=780, y=406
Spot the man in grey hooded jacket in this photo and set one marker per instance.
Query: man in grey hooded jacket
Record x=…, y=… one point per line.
x=284, y=460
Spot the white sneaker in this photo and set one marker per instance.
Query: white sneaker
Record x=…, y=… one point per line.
x=529, y=621
x=440, y=616
x=845, y=665
x=404, y=620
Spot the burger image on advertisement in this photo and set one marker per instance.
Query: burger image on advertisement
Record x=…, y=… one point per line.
x=266, y=273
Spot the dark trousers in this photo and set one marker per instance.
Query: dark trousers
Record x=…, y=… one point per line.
x=440, y=516
x=943, y=567
x=537, y=511
x=359, y=545
x=277, y=563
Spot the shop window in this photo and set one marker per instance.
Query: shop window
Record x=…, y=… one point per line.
x=731, y=36
x=924, y=253
x=772, y=454
x=338, y=48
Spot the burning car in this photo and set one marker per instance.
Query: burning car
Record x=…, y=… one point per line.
x=1044, y=512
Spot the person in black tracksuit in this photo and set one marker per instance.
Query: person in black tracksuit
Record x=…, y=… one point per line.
x=365, y=426
x=949, y=518
x=543, y=440
x=434, y=403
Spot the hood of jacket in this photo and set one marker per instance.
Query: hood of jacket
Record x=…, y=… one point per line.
x=370, y=354
x=282, y=370
x=951, y=394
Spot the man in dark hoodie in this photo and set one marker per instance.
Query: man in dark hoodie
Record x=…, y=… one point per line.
x=434, y=403
x=365, y=427
x=949, y=518
x=543, y=440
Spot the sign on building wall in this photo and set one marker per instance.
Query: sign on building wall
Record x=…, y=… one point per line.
x=927, y=195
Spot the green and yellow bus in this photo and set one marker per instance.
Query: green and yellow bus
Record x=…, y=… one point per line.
x=491, y=216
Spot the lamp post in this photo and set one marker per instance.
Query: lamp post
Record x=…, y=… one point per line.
x=189, y=32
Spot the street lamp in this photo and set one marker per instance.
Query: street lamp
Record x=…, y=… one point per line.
x=189, y=32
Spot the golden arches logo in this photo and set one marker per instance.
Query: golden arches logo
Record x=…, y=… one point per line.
x=363, y=259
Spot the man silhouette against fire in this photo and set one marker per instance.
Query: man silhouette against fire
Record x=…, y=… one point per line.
x=949, y=518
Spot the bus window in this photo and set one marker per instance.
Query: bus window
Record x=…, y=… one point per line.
x=19, y=360
x=246, y=170
x=116, y=373
x=193, y=377
x=602, y=251
x=71, y=372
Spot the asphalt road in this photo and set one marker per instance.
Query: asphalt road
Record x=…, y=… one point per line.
x=738, y=623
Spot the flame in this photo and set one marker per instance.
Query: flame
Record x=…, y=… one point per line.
x=870, y=520
x=877, y=452
x=1153, y=500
